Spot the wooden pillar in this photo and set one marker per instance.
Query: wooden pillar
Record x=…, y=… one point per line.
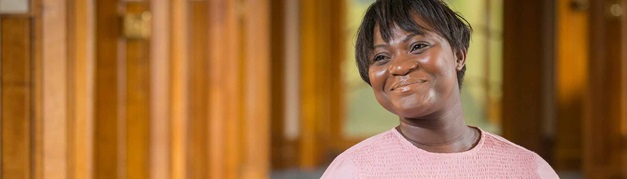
x=80, y=78
x=239, y=88
x=198, y=151
x=570, y=85
x=53, y=65
x=160, y=86
x=321, y=45
x=17, y=96
x=107, y=92
x=603, y=133
x=256, y=66
x=527, y=74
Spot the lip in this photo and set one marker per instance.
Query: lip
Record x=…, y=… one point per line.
x=404, y=83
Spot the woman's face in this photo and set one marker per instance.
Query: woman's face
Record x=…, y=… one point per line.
x=414, y=75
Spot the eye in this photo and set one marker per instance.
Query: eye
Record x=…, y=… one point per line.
x=418, y=47
x=379, y=58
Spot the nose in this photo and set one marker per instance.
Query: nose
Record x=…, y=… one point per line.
x=401, y=66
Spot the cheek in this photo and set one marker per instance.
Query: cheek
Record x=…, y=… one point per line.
x=377, y=77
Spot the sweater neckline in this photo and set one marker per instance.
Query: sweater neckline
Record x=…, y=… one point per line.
x=408, y=145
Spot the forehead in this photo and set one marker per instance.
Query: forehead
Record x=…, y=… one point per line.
x=383, y=33
x=397, y=34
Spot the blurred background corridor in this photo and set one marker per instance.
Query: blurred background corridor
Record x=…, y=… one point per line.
x=269, y=88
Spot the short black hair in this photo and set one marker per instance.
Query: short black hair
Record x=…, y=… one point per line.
x=390, y=13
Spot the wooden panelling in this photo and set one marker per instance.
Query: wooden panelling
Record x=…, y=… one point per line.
x=79, y=100
x=108, y=108
x=224, y=89
x=17, y=89
x=198, y=133
x=527, y=58
x=337, y=106
x=571, y=81
x=137, y=101
x=239, y=89
x=624, y=84
x=159, y=91
x=321, y=89
x=256, y=90
x=37, y=45
x=54, y=89
x=604, y=144
x=179, y=66
x=282, y=153
x=310, y=95
x=80, y=88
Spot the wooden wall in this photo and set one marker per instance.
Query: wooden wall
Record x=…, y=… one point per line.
x=564, y=83
x=78, y=99
x=571, y=79
x=527, y=73
x=604, y=121
x=82, y=100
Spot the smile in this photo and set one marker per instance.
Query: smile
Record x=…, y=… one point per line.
x=402, y=84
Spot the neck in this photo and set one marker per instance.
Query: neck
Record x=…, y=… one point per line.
x=445, y=132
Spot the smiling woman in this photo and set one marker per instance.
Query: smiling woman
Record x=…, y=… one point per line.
x=413, y=55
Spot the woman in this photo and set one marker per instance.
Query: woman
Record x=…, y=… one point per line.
x=413, y=54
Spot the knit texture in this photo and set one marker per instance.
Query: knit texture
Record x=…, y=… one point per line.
x=390, y=155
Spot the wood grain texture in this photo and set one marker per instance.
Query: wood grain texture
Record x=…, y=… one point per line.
x=224, y=89
x=571, y=81
x=137, y=101
x=525, y=58
x=256, y=90
x=37, y=53
x=624, y=84
x=80, y=88
x=321, y=88
x=17, y=87
x=282, y=155
x=310, y=96
x=337, y=104
x=179, y=94
x=604, y=145
x=107, y=93
x=54, y=89
x=198, y=151
x=160, y=149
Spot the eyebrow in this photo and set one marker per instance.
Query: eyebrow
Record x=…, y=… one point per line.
x=407, y=38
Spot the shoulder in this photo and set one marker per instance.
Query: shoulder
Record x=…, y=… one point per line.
x=499, y=143
x=346, y=164
x=505, y=147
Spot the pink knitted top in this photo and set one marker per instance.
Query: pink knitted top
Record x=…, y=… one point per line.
x=390, y=155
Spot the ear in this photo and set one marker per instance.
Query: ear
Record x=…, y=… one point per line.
x=460, y=60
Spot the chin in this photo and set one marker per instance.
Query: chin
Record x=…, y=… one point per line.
x=412, y=112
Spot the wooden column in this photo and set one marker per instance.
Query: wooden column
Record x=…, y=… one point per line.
x=160, y=86
x=571, y=80
x=282, y=154
x=225, y=93
x=54, y=65
x=17, y=97
x=256, y=66
x=107, y=92
x=198, y=151
x=603, y=136
x=137, y=100
x=179, y=94
x=527, y=65
x=321, y=46
x=239, y=89
x=80, y=89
